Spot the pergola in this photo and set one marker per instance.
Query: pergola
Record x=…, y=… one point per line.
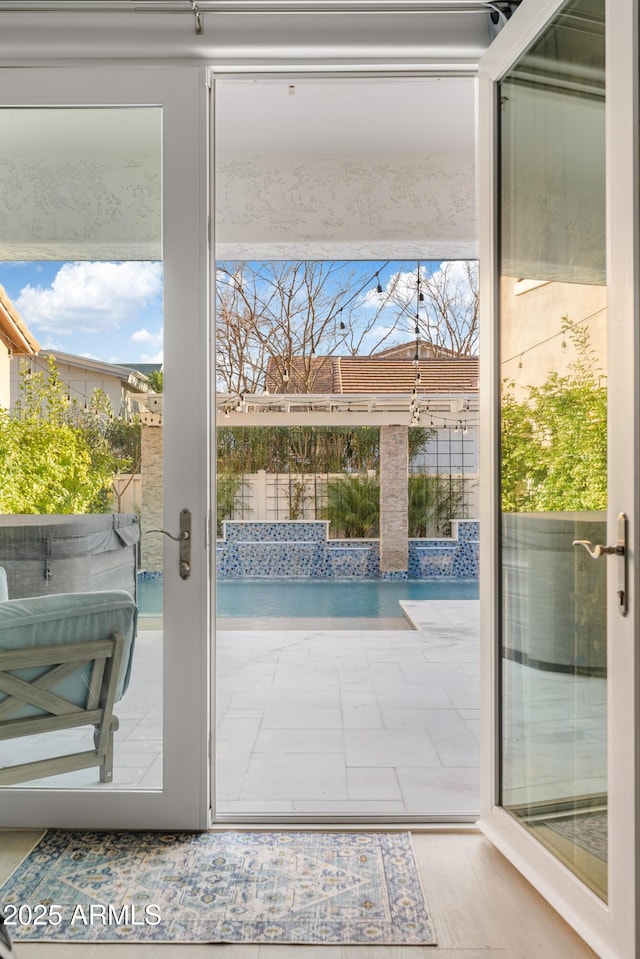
x=393, y=413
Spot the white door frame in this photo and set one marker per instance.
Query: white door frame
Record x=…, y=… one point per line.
x=611, y=930
x=182, y=93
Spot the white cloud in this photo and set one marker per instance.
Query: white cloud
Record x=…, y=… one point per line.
x=92, y=297
x=152, y=357
x=142, y=336
x=153, y=344
x=49, y=344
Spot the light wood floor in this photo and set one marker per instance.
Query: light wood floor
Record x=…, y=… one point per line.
x=480, y=906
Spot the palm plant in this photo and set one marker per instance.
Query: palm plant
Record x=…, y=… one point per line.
x=353, y=506
x=228, y=498
x=433, y=501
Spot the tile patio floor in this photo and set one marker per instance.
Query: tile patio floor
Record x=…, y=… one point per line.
x=359, y=721
x=319, y=721
x=351, y=721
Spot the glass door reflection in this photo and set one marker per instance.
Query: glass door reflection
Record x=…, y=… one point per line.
x=553, y=355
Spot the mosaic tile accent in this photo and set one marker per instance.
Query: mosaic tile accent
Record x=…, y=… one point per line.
x=304, y=531
x=465, y=530
x=434, y=560
x=349, y=562
x=301, y=548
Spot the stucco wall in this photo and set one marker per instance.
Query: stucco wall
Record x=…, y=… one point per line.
x=5, y=376
x=151, y=516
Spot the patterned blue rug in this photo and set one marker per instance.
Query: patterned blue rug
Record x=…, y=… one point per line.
x=296, y=887
x=587, y=830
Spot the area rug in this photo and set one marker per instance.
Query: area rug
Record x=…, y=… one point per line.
x=280, y=887
x=587, y=830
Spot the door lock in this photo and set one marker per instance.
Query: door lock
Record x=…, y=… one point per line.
x=620, y=549
x=184, y=539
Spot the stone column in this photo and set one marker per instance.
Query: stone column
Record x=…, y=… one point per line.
x=152, y=474
x=394, y=499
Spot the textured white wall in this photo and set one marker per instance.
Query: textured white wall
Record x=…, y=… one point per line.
x=346, y=207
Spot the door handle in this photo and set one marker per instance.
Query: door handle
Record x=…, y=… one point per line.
x=595, y=552
x=620, y=549
x=184, y=539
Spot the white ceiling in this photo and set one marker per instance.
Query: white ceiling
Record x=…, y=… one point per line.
x=323, y=117
x=449, y=38
x=339, y=168
x=345, y=168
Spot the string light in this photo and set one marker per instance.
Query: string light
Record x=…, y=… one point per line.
x=359, y=291
x=553, y=336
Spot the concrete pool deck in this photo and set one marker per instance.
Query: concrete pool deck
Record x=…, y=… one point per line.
x=317, y=719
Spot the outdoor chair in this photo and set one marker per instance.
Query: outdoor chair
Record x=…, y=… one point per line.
x=65, y=660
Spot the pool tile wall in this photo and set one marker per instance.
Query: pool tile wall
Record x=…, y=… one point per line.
x=302, y=548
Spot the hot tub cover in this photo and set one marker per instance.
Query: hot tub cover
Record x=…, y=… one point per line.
x=65, y=553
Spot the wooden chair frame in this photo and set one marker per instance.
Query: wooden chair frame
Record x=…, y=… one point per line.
x=104, y=657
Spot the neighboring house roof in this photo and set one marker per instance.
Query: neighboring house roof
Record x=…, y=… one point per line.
x=390, y=371
x=13, y=330
x=144, y=368
x=370, y=374
x=311, y=374
x=407, y=351
x=134, y=379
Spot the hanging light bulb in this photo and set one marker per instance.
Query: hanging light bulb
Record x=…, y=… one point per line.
x=563, y=345
x=285, y=376
x=226, y=413
x=520, y=362
x=418, y=376
x=456, y=428
x=342, y=323
x=379, y=286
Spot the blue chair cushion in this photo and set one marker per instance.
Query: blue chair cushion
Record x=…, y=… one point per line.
x=67, y=618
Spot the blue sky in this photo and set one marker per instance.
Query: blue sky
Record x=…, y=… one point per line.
x=113, y=311
x=108, y=311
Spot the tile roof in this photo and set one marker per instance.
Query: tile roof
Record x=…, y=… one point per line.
x=311, y=374
x=372, y=374
x=389, y=372
x=13, y=330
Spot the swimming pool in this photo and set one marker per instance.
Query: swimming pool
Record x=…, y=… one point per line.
x=315, y=598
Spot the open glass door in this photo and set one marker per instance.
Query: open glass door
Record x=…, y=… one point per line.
x=559, y=623
x=103, y=303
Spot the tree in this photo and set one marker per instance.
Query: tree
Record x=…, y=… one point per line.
x=125, y=442
x=156, y=380
x=55, y=456
x=291, y=317
x=228, y=488
x=554, y=443
x=305, y=449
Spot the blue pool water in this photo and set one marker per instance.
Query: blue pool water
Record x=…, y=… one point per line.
x=315, y=598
